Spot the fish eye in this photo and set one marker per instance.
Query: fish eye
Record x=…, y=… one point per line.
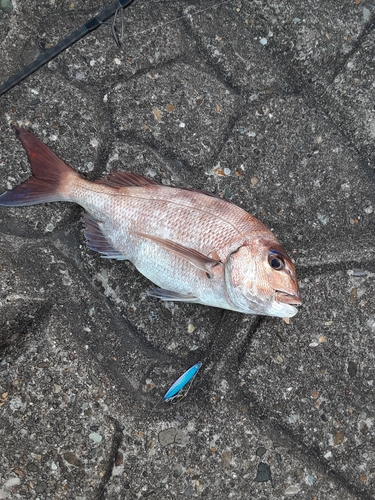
x=276, y=262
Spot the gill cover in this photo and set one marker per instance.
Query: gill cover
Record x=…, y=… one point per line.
x=245, y=285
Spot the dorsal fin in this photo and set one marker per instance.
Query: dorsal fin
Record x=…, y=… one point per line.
x=127, y=179
x=207, y=193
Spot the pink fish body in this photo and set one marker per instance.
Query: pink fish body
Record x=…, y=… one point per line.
x=194, y=246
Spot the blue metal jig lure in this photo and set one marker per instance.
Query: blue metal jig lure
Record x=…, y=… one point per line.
x=181, y=382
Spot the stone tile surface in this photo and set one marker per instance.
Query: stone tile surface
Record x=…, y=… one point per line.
x=269, y=104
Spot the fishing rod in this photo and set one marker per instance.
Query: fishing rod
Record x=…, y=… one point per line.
x=91, y=25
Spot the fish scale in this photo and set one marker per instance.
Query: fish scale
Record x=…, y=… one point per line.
x=211, y=231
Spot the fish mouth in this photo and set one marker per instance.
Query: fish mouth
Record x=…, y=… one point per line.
x=288, y=298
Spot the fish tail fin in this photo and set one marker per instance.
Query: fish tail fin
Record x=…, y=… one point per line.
x=51, y=176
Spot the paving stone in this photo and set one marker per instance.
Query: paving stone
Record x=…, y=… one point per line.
x=242, y=62
x=54, y=429
x=327, y=50
x=353, y=91
x=173, y=110
x=316, y=37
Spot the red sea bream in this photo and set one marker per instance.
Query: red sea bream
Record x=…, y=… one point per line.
x=194, y=246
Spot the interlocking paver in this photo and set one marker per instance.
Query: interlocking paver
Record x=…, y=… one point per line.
x=268, y=104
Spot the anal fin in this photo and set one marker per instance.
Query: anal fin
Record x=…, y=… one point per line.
x=97, y=241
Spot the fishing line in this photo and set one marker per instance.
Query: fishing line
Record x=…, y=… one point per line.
x=178, y=19
x=91, y=25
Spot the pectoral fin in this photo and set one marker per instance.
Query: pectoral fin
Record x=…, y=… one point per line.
x=193, y=256
x=168, y=295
